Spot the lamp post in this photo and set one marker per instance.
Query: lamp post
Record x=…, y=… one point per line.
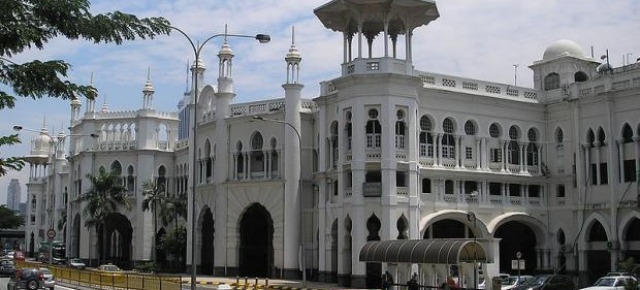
x=56, y=142
x=471, y=216
x=303, y=262
x=262, y=38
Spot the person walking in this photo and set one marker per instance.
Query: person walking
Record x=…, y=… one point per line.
x=387, y=280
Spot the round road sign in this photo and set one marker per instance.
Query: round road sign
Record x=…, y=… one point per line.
x=51, y=233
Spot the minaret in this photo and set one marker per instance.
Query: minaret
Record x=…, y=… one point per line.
x=105, y=106
x=147, y=93
x=225, y=94
x=91, y=104
x=292, y=156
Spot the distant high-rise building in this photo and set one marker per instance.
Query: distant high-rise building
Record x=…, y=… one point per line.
x=13, y=194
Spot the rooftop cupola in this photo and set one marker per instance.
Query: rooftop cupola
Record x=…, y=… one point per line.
x=366, y=20
x=293, y=60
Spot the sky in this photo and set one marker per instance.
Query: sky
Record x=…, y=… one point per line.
x=492, y=40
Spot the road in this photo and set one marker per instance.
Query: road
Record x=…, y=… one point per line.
x=4, y=280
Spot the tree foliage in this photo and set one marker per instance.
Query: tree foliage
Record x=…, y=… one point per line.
x=9, y=219
x=106, y=196
x=30, y=24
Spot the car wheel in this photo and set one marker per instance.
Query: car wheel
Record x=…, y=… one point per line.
x=32, y=284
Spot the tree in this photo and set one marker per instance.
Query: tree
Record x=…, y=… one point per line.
x=174, y=208
x=154, y=199
x=175, y=242
x=9, y=219
x=106, y=196
x=26, y=24
x=14, y=163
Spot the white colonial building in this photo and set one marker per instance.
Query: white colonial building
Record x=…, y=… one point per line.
x=384, y=152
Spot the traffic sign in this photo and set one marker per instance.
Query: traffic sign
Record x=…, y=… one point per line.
x=51, y=234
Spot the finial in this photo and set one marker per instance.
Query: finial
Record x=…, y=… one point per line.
x=225, y=33
x=186, y=89
x=293, y=35
x=148, y=73
x=91, y=80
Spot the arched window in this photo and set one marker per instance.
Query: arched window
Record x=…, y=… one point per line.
x=426, y=185
x=559, y=136
x=494, y=130
x=602, y=138
x=257, y=155
x=469, y=128
x=448, y=141
x=162, y=178
x=208, y=163
x=591, y=138
x=373, y=131
x=551, y=82
x=514, y=148
x=426, y=138
x=580, y=77
x=400, y=134
x=131, y=181
x=116, y=170
x=239, y=160
x=627, y=134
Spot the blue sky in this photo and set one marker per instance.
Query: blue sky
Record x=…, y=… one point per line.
x=472, y=38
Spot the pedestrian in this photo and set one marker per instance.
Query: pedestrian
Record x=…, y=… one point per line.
x=412, y=284
x=387, y=280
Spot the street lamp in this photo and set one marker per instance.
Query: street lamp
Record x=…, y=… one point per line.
x=56, y=142
x=471, y=216
x=303, y=262
x=262, y=38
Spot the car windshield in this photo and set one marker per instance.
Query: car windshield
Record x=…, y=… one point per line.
x=45, y=271
x=110, y=268
x=75, y=261
x=605, y=282
x=539, y=280
x=509, y=281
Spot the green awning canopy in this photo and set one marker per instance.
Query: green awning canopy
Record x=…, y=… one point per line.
x=432, y=251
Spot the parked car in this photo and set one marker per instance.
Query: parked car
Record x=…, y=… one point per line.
x=483, y=284
x=109, y=268
x=75, y=263
x=7, y=267
x=614, y=282
x=548, y=282
x=512, y=282
x=27, y=278
x=49, y=279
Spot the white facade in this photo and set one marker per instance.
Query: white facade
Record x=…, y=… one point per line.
x=383, y=152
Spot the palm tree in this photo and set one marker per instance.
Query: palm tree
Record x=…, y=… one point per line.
x=155, y=198
x=174, y=207
x=105, y=197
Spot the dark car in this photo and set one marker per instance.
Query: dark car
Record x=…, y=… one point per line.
x=548, y=282
x=27, y=278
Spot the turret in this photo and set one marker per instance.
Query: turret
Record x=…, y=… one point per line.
x=147, y=93
x=225, y=94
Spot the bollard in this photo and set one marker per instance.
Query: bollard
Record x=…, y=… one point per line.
x=266, y=283
x=256, y=286
x=237, y=280
x=246, y=281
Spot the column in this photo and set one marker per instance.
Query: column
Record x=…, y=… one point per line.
x=522, y=156
x=478, y=154
x=503, y=145
x=265, y=164
x=459, y=159
x=439, y=148
x=597, y=145
x=620, y=143
x=636, y=145
x=235, y=166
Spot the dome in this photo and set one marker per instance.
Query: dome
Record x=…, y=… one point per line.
x=561, y=48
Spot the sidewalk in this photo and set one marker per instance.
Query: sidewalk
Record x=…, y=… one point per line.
x=262, y=283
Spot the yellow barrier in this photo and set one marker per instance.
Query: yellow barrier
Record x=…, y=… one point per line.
x=105, y=280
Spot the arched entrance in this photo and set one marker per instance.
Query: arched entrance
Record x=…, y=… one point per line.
x=256, y=242
x=75, y=237
x=206, y=245
x=116, y=248
x=374, y=270
x=632, y=239
x=333, y=270
x=161, y=254
x=598, y=256
x=517, y=237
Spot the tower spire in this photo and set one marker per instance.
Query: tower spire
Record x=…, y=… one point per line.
x=293, y=60
x=147, y=92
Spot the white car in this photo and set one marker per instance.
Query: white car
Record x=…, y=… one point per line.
x=512, y=282
x=611, y=283
x=47, y=277
x=75, y=263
